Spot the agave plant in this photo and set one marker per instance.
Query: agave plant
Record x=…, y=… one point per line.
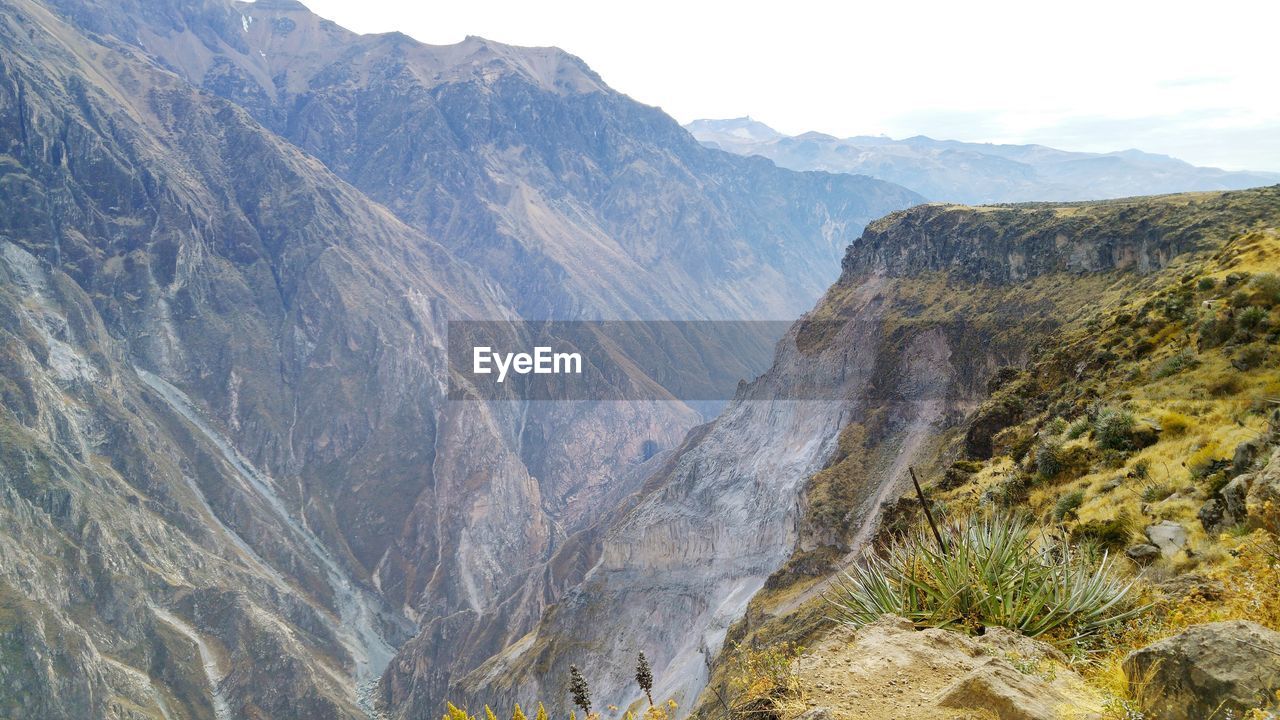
x=992, y=570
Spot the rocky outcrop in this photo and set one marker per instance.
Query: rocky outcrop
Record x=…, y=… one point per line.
x=1250, y=497
x=1009, y=244
x=889, y=669
x=1263, y=498
x=1222, y=669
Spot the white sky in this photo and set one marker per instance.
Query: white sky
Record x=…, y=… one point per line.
x=1197, y=81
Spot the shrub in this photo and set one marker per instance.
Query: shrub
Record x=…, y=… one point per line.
x=1266, y=288
x=1113, y=429
x=1142, y=468
x=1155, y=492
x=1175, y=423
x=1225, y=385
x=991, y=571
x=1008, y=492
x=1113, y=534
x=1252, y=319
x=1067, y=505
x=1056, y=426
x=1175, y=364
x=1206, y=283
x=763, y=682
x=1206, y=460
x=1249, y=358
x=1078, y=429
x=1215, y=331
x=1049, y=461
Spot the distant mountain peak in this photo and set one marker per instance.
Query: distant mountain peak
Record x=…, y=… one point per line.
x=279, y=5
x=743, y=128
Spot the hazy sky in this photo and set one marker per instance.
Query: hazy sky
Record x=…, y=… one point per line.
x=1198, y=81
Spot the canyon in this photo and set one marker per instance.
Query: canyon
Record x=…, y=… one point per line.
x=237, y=477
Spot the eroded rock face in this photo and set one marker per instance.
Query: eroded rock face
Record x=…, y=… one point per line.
x=1207, y=671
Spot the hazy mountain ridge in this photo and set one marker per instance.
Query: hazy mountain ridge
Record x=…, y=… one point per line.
x=976, y=173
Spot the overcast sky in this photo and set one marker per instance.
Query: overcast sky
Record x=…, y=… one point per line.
x=1197, y=81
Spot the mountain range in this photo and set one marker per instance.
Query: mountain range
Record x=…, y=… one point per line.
x=236, y=477
x=233, y=236
x=975, y=173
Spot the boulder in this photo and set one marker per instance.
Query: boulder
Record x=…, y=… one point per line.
x=1217, y=670
x=1229, y=507
x=1246, y=452
x=1191, y=585
x=817, y=713
x=1263, y=498
x=1212, y=516
x=1003, y=691
x=1143, y=554
x=1168, y=536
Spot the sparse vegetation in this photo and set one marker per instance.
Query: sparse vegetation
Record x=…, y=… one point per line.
x=763, y=682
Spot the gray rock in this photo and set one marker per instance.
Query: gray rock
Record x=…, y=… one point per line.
x=1143, y=554
x=1263, y=498
x=1207, y=671
x=817, y=713
x=1235, y=499
x=1168, y=536
x=1229, y=506
x=1211, y=516
x=1246, y=452
x=1002, y=690
x=1190, y=585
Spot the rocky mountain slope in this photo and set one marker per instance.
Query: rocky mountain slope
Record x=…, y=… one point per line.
x=953, y=171
x=936, y=308
x=231, y=483
x=1137, y=416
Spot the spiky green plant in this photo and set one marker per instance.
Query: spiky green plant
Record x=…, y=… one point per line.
x=992, y=570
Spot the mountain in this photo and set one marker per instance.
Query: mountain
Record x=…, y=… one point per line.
x=974, y=173
x=916, y=347
x=1107, y=370
x=232, y=236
